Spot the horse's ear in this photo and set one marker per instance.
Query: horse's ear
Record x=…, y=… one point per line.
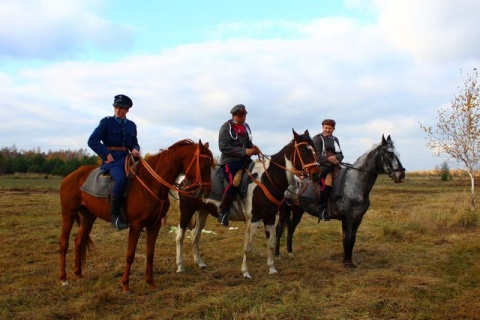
x=200, y=142
x=307, y=133
x=206, y=145
x=389, y=139
x=383, y=139
x=294, y=133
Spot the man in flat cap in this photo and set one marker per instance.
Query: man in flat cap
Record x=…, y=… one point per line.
x=329, y=156
x=236, y=147
x=113, y=139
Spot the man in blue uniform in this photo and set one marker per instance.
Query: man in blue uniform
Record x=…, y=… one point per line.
x=113, y=139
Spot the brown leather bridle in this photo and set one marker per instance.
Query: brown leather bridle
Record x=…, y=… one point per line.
x=196, y=186
x=299, y=173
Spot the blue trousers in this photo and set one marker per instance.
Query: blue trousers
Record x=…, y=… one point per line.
x=117, y=171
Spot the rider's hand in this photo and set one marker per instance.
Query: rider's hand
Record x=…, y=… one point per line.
x=109, y=158
x=250, y=152
x=333, y=160
x=135, y=153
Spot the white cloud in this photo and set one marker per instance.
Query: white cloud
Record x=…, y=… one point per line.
x=432, y=31
x=48, y=30
x=327, y=68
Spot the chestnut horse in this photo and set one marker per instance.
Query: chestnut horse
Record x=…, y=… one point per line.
x=271, y=178
x=353, y=204
x=146, y=204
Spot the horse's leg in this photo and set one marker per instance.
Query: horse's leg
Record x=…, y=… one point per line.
x=196, y=234
x=283, y=218
x=133, y=235
x=250, y=231
x=297, y=213
x=188, y=206
x=68, y=218
x=270, y=232
x=179, y=244
x=152, y=234
x=349, y=236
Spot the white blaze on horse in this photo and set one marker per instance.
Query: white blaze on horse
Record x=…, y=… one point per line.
x=350, y=207
x=264, y=196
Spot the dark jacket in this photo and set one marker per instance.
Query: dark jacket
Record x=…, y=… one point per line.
x=327, y=146
x=111, y=133
x=233, y=145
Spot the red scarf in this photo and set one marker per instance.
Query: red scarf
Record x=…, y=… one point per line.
x=239, y=129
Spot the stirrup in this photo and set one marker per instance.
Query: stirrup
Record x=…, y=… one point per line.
x=118, y=224
x=223, y=219
x=325, y=215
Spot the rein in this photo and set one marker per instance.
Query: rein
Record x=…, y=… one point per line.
x=130, y=168
x=390, y=171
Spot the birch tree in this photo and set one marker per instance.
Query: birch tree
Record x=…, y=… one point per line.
x=457, y=132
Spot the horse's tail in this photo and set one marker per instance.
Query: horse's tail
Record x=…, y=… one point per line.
x=89, y=245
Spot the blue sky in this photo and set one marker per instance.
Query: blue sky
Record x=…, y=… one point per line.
x=377, y=67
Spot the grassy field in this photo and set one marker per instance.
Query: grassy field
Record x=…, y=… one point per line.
x=417, y=256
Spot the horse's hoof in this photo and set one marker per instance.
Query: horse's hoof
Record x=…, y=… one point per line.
x=273, y=271
x=65, y=283
x=181, y=270
x=203, y=267
x=349, y=265
x=247, y=275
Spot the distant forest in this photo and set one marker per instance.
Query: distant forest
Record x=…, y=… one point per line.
x=59, y=163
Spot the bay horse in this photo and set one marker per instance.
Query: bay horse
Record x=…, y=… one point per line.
x=146, y=204
x=350, y=208
x=270, y=178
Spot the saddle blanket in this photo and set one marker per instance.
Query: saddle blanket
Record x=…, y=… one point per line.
x=96, y=184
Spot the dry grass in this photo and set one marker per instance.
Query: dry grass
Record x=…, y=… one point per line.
x=417, y=254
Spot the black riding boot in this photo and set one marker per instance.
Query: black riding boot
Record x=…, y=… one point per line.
x=116, y=219
x=322, y=204
x=224, y=208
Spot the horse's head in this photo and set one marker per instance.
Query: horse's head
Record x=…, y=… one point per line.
x=304, y=159
x=389, y=160
x=197, y=173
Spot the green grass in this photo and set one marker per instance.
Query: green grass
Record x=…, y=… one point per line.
x=417, y=254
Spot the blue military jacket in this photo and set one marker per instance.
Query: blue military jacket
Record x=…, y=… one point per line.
x=112, y=132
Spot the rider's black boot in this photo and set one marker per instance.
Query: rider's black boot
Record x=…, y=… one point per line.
x=224, y=208
x=116, y=219
x=322, y=204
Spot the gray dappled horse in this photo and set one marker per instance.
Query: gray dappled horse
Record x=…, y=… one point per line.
x=350, y=208
x=271, y=178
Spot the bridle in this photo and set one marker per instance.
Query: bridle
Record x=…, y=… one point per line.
x=303, y=173
x=386, y=163
x=193, y=189
x=299, y=173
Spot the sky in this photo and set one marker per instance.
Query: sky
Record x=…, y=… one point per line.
x=378, y=67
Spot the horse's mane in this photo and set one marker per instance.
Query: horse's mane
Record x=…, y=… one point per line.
x=374, y=147
x=166, y=155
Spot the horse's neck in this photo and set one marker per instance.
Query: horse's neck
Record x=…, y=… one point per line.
x=167, y=170
x=367, y=169
x=276, y=170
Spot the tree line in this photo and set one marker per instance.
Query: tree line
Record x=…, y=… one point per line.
x=61, y=162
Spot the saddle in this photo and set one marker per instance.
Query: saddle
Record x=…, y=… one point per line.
x=305, y=193
x=219, y=183
x=100, y=184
